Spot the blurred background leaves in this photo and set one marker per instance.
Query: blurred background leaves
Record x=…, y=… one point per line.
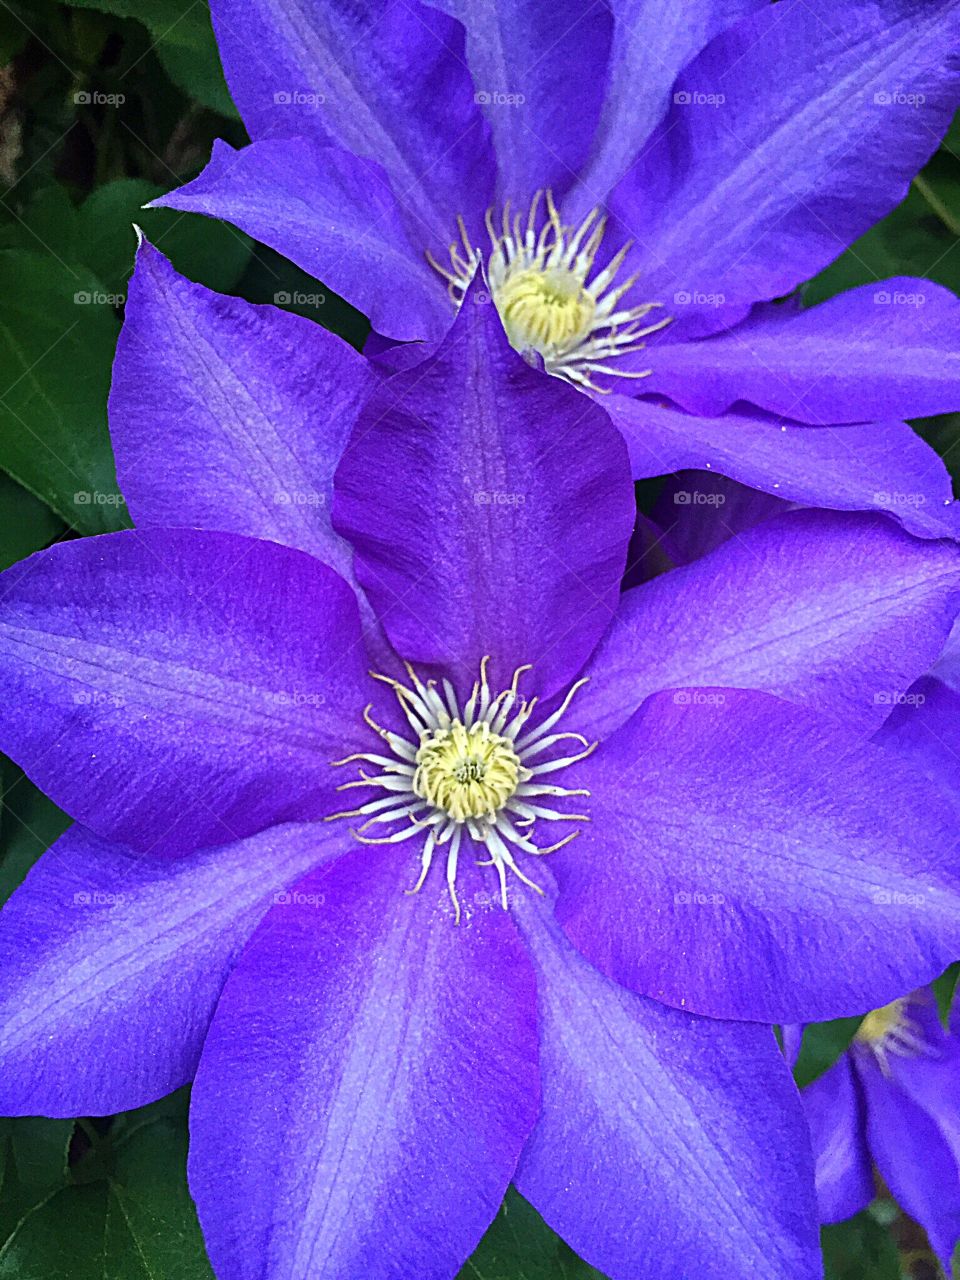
x=104, y=104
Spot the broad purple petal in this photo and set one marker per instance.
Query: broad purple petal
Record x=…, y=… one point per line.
x=230, y=416
x=652, y=41
x=792, y=133
x=667, y=1144
x=888, y=350
x=174, y=689
x=111, y=964
x=837, y=612
x=490, y=508
x=384, y=81
x=333, y=214
x=745, y=860
x=913, y=1159
x=924, y=728
x=837, y=1119
x=881, y=466
x=524, y=59
x=379, y=1068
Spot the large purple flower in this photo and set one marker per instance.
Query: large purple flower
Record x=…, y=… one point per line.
x=378, y=1046
x=642, y=182
x=891, y=1102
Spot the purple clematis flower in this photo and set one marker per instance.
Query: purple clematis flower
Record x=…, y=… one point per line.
x=378, y=1046
x=642, y=182
x=891, y=1102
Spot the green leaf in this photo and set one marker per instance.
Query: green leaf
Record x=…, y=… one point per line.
x=185, y=44
x=28, y=524
x=823, y=1043
x=58, y=330
x=939, y=184
x=33, y=1165
x=520, y=1246
x=859, y=1249
x=912, y=241
x=944, y=989
x=202, y=249
x=133, y=1220
x=29, y=824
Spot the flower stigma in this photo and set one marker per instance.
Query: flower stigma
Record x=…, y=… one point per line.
x=539, y=282
x=891, y=1030
x=475, y=770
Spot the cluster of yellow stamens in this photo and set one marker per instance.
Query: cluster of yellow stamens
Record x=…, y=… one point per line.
x=474, y=771
x=891, y=1030
x=538, y=278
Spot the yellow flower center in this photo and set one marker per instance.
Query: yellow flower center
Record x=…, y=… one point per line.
x=892, y=1031
x=552, y=300
x=466, y=772
x=545, y=310
x=473, y=773
x=881, y=1023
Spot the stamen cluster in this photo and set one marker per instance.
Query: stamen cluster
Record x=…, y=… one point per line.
x=476, y=771
x=539, y=281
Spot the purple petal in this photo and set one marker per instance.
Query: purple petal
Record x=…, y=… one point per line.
x=174, y=689
x=457, y=491
x=791, y=134
x=230, y=416
x=652, y=42
x=523, y=59
x=667, y=1145
x=792, y=1036
x=930, y=1076
x=379, y=1066
x=913, y=1159
x=835, y=1113
x=924, y=728
x=887, y=350
x=744, y=859
x=386, y=82
x=111, y=964
x=840, y=613
x=881, y=466
x=700, y=512
x=334, y=215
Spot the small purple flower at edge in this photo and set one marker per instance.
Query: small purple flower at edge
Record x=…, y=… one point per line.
x=641, y=186
x=384, y=1035
x=890, y=1102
